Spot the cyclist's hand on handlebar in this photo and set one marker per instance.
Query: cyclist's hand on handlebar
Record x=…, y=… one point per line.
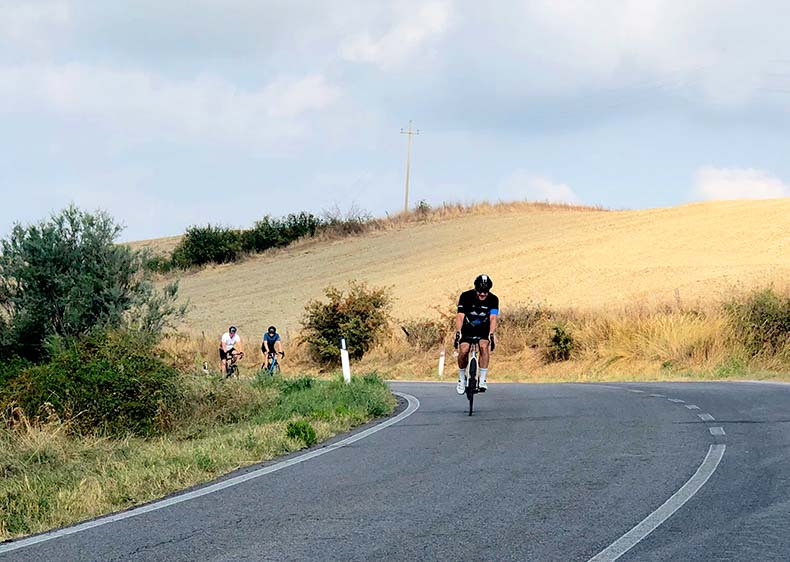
x=492, y=340
x=457, y=340
x=282, y=355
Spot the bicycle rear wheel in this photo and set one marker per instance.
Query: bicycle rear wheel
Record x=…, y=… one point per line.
x=471, y=386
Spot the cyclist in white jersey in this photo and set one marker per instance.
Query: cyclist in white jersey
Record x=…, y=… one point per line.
x=229, y=344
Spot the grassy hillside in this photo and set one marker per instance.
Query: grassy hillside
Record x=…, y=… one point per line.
x=559, y=256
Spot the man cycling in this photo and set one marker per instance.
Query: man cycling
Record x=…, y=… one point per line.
x=477, y=319
x=229, y=345
x=271, y=344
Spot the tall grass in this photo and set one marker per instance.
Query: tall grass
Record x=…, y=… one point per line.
x=52, y=478
x=748, y=333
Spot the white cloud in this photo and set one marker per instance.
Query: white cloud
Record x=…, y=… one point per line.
x=204, y=106
x=522, y=185
x=738, y=183
x=402, y=40
x=33, y=25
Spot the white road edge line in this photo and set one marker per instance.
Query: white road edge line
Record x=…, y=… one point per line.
x=717, y=431
x=667, y=509
x=414, y=404
x=692, y=406
x=706, y=417
x=676, y=400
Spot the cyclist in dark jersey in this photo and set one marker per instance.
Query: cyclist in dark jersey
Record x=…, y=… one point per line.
x=271, y=344
x=476, y=320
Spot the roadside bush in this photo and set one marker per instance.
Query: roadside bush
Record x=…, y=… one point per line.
x=360, y=316
x=207, y=244
x=425, y=334
x=762, y=321
x=108, y=382
x=301, y=430
x=561, y=344
x=66, y=276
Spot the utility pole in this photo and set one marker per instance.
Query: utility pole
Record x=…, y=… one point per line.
x=409, y=132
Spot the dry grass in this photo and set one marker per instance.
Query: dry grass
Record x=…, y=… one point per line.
x=50, y=477
x=671, y=341
x=51, y=480
x=560, y=256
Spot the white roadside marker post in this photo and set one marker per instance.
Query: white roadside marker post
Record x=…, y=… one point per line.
x=344, y=361
x=441, y=363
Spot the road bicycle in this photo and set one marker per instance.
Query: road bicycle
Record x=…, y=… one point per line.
x=273, y=367
x=231, y=369
x=472, y=379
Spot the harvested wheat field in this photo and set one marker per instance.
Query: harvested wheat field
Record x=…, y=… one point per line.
x=588, y=259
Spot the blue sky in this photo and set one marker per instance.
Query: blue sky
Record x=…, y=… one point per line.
x=168, y=114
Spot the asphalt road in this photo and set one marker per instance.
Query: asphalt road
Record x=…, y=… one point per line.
x=540, y=472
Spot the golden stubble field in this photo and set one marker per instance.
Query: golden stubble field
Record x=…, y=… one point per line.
x=563, y=257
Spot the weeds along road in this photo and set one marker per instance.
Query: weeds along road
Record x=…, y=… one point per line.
x=540, y=472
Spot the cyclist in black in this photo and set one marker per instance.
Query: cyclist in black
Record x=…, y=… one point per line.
x=477, y=318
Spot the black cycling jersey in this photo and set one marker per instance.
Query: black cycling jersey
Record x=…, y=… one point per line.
x=477, y=313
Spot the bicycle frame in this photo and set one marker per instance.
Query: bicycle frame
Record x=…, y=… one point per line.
x=231, y=368
x=274, y=365
x=472, y=379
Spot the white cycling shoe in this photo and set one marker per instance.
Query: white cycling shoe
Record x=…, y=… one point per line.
x=483, y=386
x=460, y=388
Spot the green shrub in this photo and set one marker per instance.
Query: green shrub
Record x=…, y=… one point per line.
x=159, y=264
x=67, y=276
x=273, y=233
x=360, y=316
x=207, y=244
x=560, y=345
x=762, y=321
x=263, y=235
x=732, y=367
x=110, y=381
x=302, y=431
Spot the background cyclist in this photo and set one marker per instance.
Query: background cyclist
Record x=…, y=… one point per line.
x=271, y=344
x=477, y=318
x=229, y=344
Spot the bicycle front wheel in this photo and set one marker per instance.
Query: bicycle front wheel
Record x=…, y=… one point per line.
x=471, y=386
x=275, y=369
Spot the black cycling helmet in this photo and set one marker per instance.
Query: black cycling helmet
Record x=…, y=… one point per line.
x=232, y=329
x=483, y=283
x=272, y=330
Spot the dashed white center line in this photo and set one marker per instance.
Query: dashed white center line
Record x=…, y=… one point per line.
x=658, y=396
x=692, y=406
x=635, y=391
x=706, y=417
x=716, y=431
x=676, y=400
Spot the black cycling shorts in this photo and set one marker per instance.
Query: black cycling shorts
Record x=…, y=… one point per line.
x=471, y=333
x=224, y=354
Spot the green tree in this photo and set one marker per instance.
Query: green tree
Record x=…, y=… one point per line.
x=360, y=316
x=65, y=276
